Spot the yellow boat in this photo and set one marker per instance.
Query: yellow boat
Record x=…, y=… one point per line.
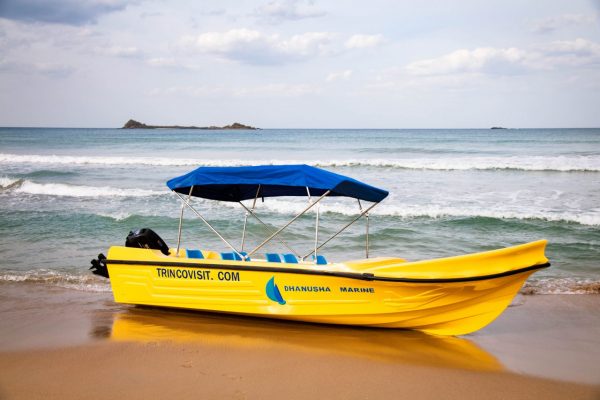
x=445, y=296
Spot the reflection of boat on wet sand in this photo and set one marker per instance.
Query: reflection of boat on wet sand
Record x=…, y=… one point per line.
x=446, y=296
x=412, y=347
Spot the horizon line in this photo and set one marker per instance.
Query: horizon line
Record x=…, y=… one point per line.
x=299, y=128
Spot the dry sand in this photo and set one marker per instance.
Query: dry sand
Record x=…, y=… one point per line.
x=57, y=343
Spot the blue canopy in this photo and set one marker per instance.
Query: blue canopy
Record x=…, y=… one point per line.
x=242, y=183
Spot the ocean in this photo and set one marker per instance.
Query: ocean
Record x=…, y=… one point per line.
x=68, y=194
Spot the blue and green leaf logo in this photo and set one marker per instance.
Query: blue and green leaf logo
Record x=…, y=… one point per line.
x=273, y=292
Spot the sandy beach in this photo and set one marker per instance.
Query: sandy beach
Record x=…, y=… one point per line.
x=82, y=345
x=376, y=164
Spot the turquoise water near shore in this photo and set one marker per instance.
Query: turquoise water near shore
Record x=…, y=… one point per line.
x=68, y=194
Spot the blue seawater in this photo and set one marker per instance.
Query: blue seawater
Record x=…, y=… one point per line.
x=68, y=194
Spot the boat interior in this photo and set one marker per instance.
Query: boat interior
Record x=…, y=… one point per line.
x=287, y=258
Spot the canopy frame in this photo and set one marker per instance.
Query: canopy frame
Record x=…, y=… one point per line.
x=210, y=226
x=250, y=211
x=267, y=240
x=246, y=215
x=343, y=229
x=236, y=184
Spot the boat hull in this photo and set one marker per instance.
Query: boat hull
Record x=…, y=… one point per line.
x=454, y=306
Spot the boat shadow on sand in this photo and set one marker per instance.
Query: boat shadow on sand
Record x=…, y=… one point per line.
x=148, y=324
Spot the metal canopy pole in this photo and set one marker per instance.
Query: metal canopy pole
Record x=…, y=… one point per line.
x=289, y=223
x=246, y=216
x=343, y=229
x=181, y=222
x=316, y=226
x=210, y=226
x=269, y=229
x=317, y=232
x=367, y=244
x=367, y=232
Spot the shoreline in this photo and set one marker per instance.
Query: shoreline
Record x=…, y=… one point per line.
x=543, y=346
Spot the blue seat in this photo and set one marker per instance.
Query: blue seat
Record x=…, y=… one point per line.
x=320, y=260
x=194, y=253
x=273, y=257
x=233, y=256
x=228, y=256
x=290, y=258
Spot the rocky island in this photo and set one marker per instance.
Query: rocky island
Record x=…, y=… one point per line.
x=133, y=124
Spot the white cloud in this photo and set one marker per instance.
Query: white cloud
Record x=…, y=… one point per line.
x=471, y=69
x=308, y=44
x=339, y=75
x=507, y=61
x=578, y=47
x=551, y=24
x=254, y=47
x=278, y=11
x=363, y=41
x=485, y=59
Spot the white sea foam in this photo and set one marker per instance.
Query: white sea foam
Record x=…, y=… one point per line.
x=532, y=163
x=117, y=216
x=561, y=286
x=95, y=160
x=86, y=283
x=292, y=206
x=5, y=182
x=61, y=189
x=432, y=211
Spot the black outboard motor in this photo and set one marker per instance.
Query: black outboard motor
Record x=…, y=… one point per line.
x=99, y=266
x=147, y=239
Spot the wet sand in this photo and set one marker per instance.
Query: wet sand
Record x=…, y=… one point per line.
x=60, y=343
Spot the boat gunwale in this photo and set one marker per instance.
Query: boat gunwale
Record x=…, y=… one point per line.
x=365, y=276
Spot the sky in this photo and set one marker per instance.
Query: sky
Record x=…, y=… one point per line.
x=300, y=63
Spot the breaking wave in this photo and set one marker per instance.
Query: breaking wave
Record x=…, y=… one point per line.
x=68, y=190
x=393, y=211
x=86, y=283
x=537, y=163
x=532, y=163
x=289, y=207
x=560, y=286
x=433, y=211
x=411, y=211
x=117, y=216
x=9, y=183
